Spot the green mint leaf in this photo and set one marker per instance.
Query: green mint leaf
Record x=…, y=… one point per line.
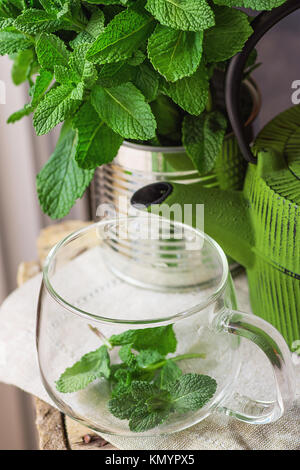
x=112, y=75
x=61, y=181
x=42, y=83
x=6, y=23
x=119, y=389
x=86, y=72
x=203, y=139
x=92, y=366
x=137, y=58
x=95, y=26
x=121, y=37
x=148, y=357
x=22, y=66
x=254, y=4
x=82, y=38
x=142, y=420
x=127, y=356
x=152, y=406
x=37, y=21
x=64, y=75
x=10, y=42
x=107, y=2
x=169, y=373
x=142, y=390
x=228, y=36
x=58, y=104
x=124, y=109
x=147, y=81
x=186, y=15
x=122, y=406
x=175, y=54
x=97, y=143
x=190, y=93
x=16, y=116
x=161, y=339
x=191, y=392
x=51, y=51
x=51, y=6
x=8, y=9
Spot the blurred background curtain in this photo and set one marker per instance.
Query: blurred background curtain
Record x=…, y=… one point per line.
x=22, y=155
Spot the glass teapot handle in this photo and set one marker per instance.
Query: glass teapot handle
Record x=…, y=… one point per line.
x=261, y=25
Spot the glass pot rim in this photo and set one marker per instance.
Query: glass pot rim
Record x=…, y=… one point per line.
x=219, y=289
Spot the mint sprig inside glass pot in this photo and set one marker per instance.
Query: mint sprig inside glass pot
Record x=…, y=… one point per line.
x=121, y=69
x=146, y=385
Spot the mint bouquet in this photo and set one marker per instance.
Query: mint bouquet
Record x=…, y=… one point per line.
x=121, y=69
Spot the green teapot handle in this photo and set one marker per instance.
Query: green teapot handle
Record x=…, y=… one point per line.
x=261, y=25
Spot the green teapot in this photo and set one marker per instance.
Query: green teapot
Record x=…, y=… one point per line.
x=260, y=226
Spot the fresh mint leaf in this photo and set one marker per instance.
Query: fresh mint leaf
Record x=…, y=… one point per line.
x=147, y=81
x=169, y=373
x=82, y=38
x=10, y=9
x=175, y=54
x=51, y=6
x=203, y=139
x=5, y=23
x=58, y=104
x=11, y=42
x=92, y=366
x=51, y=51
x=97, y=143
x=148, y=357
x=228, y=36
x=191, y=392
x=122, y=406
x=254, y=4
x=42, y=83
x=112, y=75
x=137, y=58
x=22, y=66
x=121, y=37
x=142, y=420
x=16, y=116
x=190, y=93
x=145, y=406
x=161, y=339
x=64, y=75
x=61, y=181
x=185, y=15
x=127, y=356
x=86, y=72
x=96, y=26
x=142, y=390
x=124, y=109
x=153, y=406
x=107, y=2
x=37, y=21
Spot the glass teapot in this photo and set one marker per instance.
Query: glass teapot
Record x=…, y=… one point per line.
x=138, y=332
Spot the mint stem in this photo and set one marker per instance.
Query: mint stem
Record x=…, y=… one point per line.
x=160, y=364
x=101, y=336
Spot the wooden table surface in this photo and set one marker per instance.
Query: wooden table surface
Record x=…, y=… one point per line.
x=57, y=431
